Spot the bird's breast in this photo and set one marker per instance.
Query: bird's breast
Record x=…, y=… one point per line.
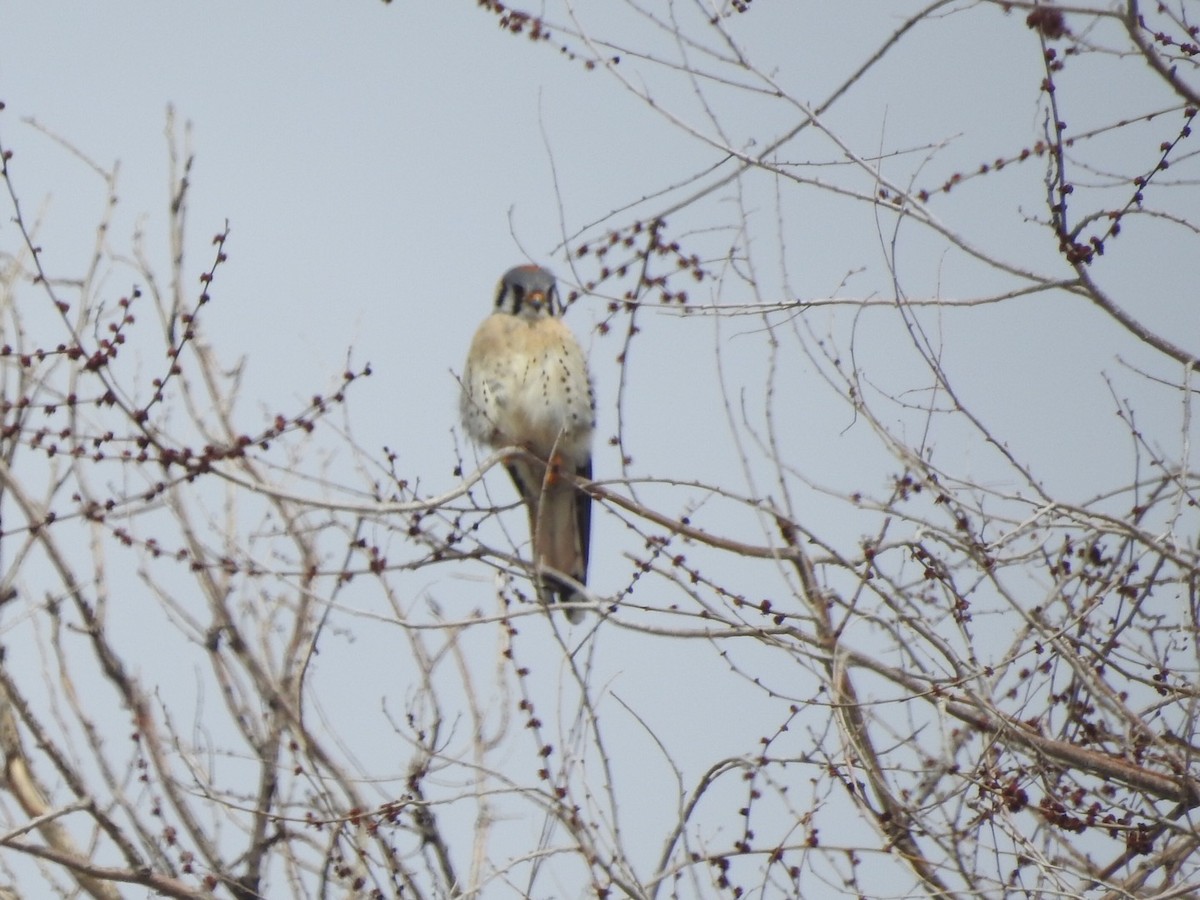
x=527, y=384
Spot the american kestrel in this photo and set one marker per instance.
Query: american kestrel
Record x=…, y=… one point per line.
x=526, y=384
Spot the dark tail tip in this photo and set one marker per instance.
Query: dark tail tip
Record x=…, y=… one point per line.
x=563, y=593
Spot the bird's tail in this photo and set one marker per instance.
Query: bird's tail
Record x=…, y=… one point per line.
x=560, y=522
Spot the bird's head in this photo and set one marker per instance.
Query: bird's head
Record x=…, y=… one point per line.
x=528, y=292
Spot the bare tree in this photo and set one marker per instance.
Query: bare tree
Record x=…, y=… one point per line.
x=923, y=607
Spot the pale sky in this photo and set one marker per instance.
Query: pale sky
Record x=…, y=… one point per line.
x=382, y=165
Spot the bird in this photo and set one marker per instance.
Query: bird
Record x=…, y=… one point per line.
x=526, y=384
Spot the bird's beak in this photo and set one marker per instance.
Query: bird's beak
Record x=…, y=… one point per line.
x=536, y=299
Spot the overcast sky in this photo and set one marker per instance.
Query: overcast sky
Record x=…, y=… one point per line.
x=381, y=165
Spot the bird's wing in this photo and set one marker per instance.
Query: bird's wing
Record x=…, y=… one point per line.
x=583, y=517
